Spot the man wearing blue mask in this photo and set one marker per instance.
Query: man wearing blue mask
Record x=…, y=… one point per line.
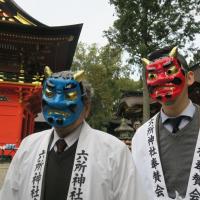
x=71, y=161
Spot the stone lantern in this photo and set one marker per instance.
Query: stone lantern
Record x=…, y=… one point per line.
x=124, y=132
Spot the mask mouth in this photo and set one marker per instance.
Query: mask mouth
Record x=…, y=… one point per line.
x=160, y=87
x=58, y=112
x=175, y=81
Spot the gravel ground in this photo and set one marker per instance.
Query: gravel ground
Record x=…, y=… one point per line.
x=3, y=170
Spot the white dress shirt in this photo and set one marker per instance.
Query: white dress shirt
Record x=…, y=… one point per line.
x=69, y=139
x=188, y=111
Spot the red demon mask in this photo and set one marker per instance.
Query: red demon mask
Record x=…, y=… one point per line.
x=165, y=78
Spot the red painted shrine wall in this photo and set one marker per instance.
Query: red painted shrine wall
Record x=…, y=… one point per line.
x=11, y=122
x=16, y=117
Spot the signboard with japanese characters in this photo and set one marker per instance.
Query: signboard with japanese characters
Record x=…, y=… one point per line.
x=78, y=179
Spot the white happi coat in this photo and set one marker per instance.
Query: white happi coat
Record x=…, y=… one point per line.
x=149, y=179
x=102, y=161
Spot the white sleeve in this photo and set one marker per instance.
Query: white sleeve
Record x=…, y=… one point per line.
x=11, y=186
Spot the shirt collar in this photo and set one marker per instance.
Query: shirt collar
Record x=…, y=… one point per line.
x=69, y=139
x=188, y=111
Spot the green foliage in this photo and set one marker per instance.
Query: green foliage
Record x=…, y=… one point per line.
x=143, y=26
x=104, y=70
x=196, y=59
x=146, y=25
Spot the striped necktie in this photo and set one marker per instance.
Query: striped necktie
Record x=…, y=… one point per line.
x=175, y=122
x=61, y=145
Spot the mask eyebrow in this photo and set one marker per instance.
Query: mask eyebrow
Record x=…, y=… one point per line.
x=167, y=64
x=49, y=84
x=70, y=86
x=151, y=69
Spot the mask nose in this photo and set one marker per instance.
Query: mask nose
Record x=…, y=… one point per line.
x=161, y=75
x=58, y=101
x=162, y=78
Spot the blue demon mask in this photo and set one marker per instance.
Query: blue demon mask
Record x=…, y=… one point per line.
x=62, y=98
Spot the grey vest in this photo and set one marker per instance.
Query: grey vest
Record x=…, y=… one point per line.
x=176, y=154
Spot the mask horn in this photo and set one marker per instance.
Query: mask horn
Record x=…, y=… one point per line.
x=78, y=76
x=47, y=71
x=146, y=61
x=173, y=52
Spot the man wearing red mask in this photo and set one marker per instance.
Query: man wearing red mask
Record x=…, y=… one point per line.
x=166, y=149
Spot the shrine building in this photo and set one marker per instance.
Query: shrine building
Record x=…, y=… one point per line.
x=26, y=47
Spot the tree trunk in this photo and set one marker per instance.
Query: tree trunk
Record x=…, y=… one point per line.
x=146, y=100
